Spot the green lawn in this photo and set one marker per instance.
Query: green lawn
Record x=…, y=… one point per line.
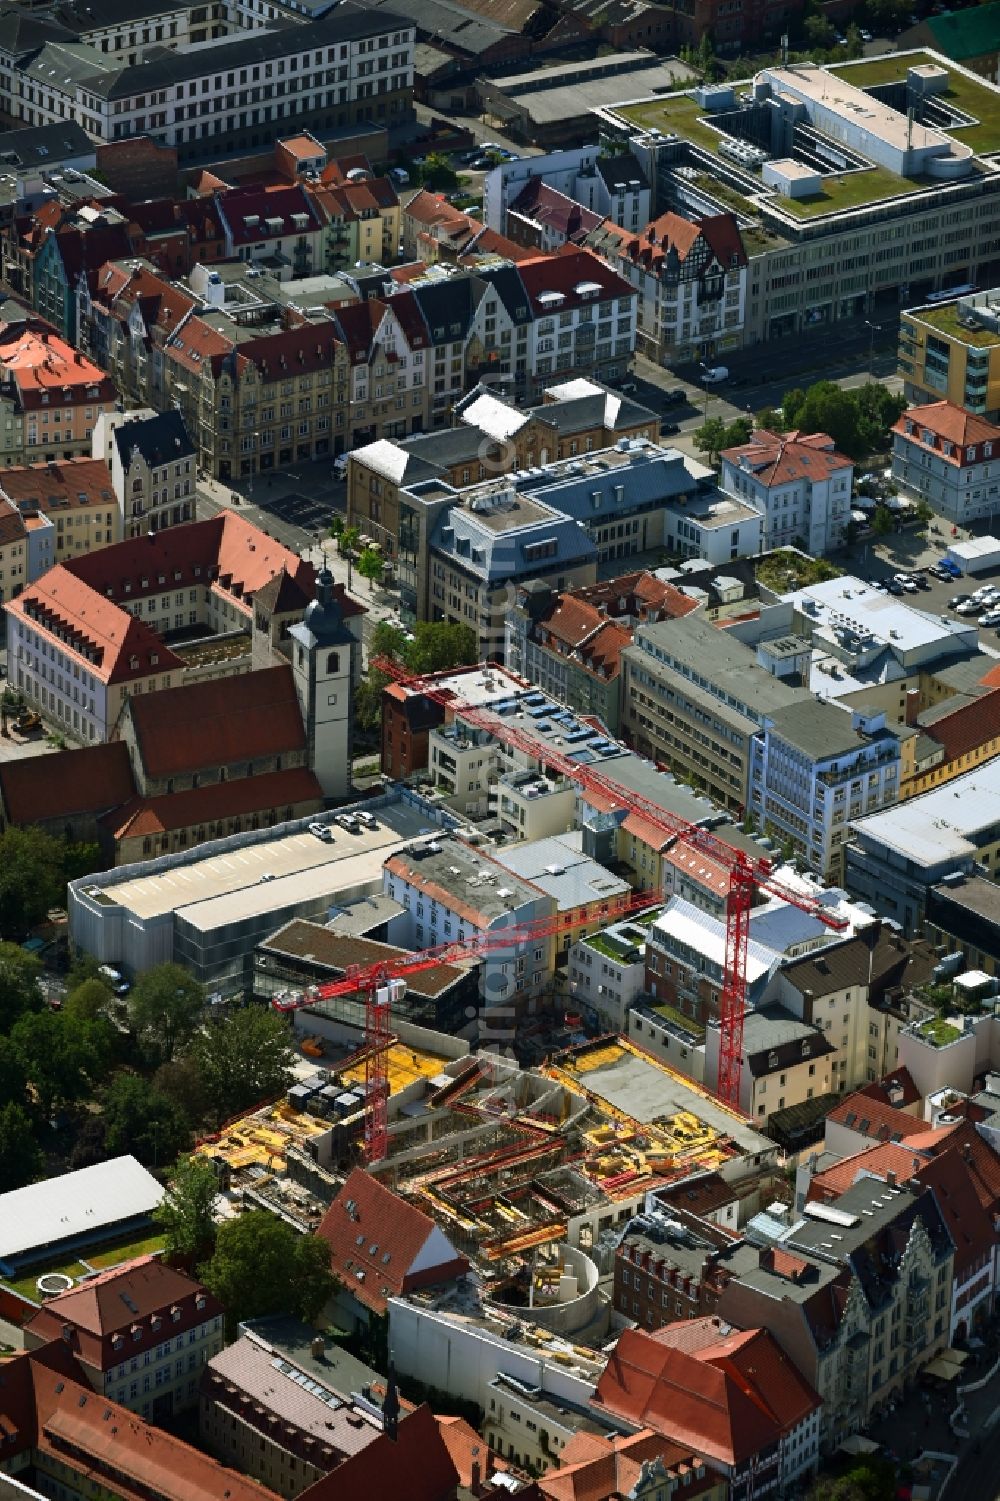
x=610, y=947
x=939, y=1032
x=790, y=570
x=851, y=191
x=945, y=319
x=671, y=1014
x=109, y=1255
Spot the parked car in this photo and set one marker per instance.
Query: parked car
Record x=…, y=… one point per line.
x=866, y=36
x=991, y=617
x=970, y=607
x=322, y=831
x=349, y=822
x=958, y=599
x=893, y=586
x=667, y=429
x=950, y=567
x=920, y=579
x=368, y=819
x=399, y=175
x=712, y=375
x=114, y=978
x=675, y=396
x=910, y=586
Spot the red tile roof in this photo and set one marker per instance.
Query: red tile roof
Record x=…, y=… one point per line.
x=279, y=203
x=47, y=1404
x=296, y=788
x=137, y=1298
x=566, y=273
x=712, y=1398
x=114, y=645
x=217, y=723
x=947, y=423
x=875, y=1119
x=776, y=459
x=553, y=210
x=374, y=1238
x=416, y=1466
x=671, y=234
x=594, y=1469
x=62, y=484
x=41, y=364
x=91, y=779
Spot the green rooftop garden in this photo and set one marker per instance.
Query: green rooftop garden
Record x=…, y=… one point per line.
x=612, y=948
x=112, y=1253
x=939, y=1032
x=944, y=318
x=680, y=114
x=671, y=1014
x=785, y=570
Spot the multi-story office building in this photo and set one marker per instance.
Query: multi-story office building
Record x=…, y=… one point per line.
x=352, y=66
x=951, y=351
x=950, y=458
x=695, y=696
x=844, y=209
x=813, y=768
x=800, y=484
x=896, y=856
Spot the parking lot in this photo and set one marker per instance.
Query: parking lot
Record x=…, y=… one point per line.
x=879, y=560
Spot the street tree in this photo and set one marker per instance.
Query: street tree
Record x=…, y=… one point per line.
x=244, y=1060
x=347, y=541
x=261, y=1266
x=187, y=1213
x=440, y=644
x=63, y=1057
x=882, y=522
x=166, y=1006
x=737, y=433
x=710, y=438
x=88, y=1000
x=371, y=566
x=20, y=992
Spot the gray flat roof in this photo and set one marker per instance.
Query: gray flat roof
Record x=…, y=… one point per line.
x=719, y=663
x=225, y=886
x=559, y=867
x=818, y=728
x=947, y=822
x=648, y=1093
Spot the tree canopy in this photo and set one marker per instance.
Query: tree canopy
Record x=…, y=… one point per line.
x=32, y=879
x=141, y=1120
x=19, y=989
x=244, y=1059
x=435, y=646
x=187, y=1211
x=20, y=1154
x=261, y=1266
x=166, y=1005
x=858, y=421
x=63, y=1057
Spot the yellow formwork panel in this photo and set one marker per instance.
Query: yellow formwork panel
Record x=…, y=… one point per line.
x=404, y=1066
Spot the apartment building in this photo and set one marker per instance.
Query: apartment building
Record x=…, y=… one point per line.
x=142, y=1332
x=606, y=973
x=825, y=245
x=570, y=644
x=663, y=1267
x=894, y=857
x=489, y=436
x=943, y=454
x=735, y=1395
x=695, y=696
x=613, y=186
x=65, y=509
x=854, y=993
x=800, y=484
x=97, y=628
x=691, y=279
x=813, y=768
x=50, y=396
x=153, y=469
x=857, y=1337
x=352, y=66
x=950, y=351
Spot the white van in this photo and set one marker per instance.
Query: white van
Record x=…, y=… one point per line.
x=714, y=374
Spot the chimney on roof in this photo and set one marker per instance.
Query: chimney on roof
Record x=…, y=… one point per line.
x=476, y=1470
x=967, y=1151
x=390, y=1407
x=890, y=1180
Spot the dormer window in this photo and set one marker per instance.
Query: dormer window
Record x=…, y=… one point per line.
x=970, y=453
x=987, y=450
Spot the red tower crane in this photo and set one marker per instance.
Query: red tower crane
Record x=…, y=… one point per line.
x=374, y=982
x=377, y=982
x=745, y=872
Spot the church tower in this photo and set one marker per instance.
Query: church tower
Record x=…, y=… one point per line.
x=322, y=661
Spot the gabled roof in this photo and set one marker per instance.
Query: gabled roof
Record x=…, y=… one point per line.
x=211, y=724
x=547, y=207
x=691, y=1400
x=91, y=779
x=375, y=1237
x=570, y=274
x=947, y=422
x=196, y=806
x=415, y=1465
x=874, y=1119
x=248, y=211
x=160, y=440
